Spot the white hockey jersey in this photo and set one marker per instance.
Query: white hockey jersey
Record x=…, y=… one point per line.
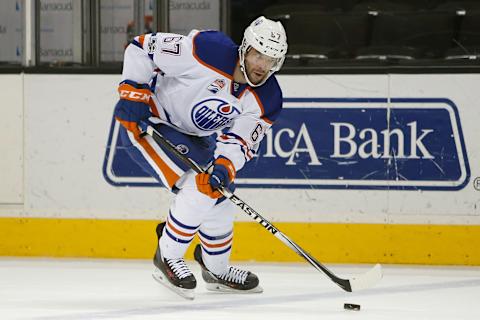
x=191, y=78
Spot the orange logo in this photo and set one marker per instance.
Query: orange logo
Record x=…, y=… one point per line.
x=135, y=96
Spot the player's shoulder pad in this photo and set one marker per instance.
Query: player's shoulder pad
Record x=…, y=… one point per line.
x=270, y=99
x=216, y=51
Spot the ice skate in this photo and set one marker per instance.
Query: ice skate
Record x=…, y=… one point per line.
x=234, y=280
x=173, y=273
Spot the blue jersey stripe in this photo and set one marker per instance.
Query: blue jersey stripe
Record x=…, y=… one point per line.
x=136, y=43
x=181, y=224
x=214, y=253
x=175, y=238
x=213, y=238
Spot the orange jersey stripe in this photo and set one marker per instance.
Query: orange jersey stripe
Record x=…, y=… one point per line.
x=141, y=39
x=218, y=245
x=226, y=138
x=266, y=120
x=169, y=174
x=260, y=104
x=178, y=231
x=153, y=107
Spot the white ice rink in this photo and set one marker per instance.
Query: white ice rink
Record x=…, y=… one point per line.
x=124, y=289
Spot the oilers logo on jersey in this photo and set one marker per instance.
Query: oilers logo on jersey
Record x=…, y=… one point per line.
x=213, y=114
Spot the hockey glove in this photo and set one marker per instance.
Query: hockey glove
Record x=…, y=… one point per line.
x=132, y=106
x=223, y=174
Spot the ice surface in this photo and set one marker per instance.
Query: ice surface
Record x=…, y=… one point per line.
x=70, y=289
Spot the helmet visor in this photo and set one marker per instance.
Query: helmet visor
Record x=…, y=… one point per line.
x=262, y=60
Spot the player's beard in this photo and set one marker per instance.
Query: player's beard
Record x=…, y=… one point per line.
x=255, y=75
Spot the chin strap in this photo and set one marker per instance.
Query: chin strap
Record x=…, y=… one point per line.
x=270, y=72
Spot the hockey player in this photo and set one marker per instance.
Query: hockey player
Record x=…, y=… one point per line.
x=215, y=101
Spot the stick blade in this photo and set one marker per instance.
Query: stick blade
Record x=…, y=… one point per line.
x=367, y=280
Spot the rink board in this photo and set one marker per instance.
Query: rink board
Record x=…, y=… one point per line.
x=338, y=243
x=65, y=190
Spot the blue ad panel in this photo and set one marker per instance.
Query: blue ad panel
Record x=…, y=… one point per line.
x=350, y=144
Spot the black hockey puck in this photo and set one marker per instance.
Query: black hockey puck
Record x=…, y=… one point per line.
x=351, y=306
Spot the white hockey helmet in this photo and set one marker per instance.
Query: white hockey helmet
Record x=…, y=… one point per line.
x=267, y=37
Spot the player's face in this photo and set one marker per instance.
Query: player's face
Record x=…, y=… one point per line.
x=258, y=65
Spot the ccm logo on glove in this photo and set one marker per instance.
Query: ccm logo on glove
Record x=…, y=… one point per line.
x=128, y=92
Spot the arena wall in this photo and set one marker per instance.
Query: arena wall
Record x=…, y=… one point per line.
x=61, y=194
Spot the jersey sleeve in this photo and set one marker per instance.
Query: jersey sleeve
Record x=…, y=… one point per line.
x=243, y=138
x=166, y=53
x=145, y=57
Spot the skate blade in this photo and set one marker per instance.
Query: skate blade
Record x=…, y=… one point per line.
x=226, y=289
x=184, y=293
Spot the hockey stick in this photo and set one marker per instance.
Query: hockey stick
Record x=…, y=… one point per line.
x=367, y=280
